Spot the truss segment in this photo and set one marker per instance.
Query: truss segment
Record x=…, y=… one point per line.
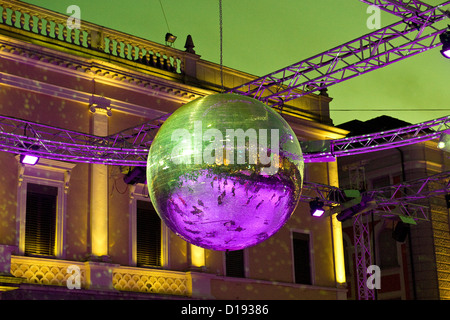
x=379, y=141
x=369, y=52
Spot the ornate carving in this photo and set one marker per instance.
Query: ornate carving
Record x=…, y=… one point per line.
x=44, y=272
x=150, y=281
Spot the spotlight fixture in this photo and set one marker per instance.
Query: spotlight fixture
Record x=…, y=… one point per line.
x=170, y=39
x=347, y=213
x=444, y=141
x=445, y=39
x=28, y=159
x=316, y=207
x=363, y=205
x=135, y=175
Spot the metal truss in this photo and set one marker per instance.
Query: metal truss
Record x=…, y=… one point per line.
x=329, y=195
x=363, y=257
x=394, y=200
x=410, y=36
x=378, y=141
x=130, y=147
x=390, y=44
x=414, y=34
x=124, y=148
x=419, y=189
x=401, y=8
x=404, y=198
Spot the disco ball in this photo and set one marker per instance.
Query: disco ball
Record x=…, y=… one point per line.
x=225, y=172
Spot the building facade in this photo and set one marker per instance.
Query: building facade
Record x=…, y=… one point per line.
x=77, y=230
x=414, y=261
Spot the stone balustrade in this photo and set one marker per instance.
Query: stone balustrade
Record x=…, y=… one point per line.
x=51, y=24
x=53, y=272
x=151, y=281
x=45, y=271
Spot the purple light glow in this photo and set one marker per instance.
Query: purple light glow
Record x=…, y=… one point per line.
x=28, y=159
x=446, y=53
x=229, y=212
x=318, y=213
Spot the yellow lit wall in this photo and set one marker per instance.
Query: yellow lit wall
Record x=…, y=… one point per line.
x=99, y=193
x=99, y=210
x=338, y=250
x=197, y=256
x=339, y=262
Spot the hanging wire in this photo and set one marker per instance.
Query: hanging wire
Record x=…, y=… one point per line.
x=164, y=14
x=221, y=45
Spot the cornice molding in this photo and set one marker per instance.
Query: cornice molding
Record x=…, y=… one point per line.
x=89, y=69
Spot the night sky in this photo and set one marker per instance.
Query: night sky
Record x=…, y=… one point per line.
x=262, y=36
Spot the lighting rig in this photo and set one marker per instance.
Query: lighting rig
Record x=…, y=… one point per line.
x=414, y=33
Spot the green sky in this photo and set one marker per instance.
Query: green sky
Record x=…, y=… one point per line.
x=261, y=36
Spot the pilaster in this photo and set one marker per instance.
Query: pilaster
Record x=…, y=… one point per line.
x=99, y=190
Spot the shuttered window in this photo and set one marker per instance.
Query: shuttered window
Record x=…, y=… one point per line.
x=40, y=224
x=302, y=263
x=234, y=263
x=148, y=236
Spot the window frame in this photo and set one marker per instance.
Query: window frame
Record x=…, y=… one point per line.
x=139, y=192
x=311, y=255
x=244, y=265
x=42, y=232
x=46, y=172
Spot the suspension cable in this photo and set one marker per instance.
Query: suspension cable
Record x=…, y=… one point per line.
x=221, y=45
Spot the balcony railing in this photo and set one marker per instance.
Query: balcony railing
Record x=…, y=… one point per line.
x=150, y=281
x=45, y=271
x=53, y=25
x=53, y=272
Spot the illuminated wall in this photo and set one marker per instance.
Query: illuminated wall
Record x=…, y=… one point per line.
x=39, y=84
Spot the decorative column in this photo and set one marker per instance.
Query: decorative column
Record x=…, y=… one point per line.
x=99, y=184
x=7, y=280
x=5, y=259
x=338, y=242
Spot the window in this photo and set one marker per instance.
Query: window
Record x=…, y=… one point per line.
x=40, y=223
x=41, y=207
x=302, y=259
x=148, y=235
x=234, y=264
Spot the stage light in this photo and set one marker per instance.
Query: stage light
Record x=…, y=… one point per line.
x=29, y=159
x=444, y=142
x=318, y=212
x=347, y=213
x=136, y=175
x=356, y=206
x=445, y=39
x=446, y=53
x=316, y=207
x=170, y=38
